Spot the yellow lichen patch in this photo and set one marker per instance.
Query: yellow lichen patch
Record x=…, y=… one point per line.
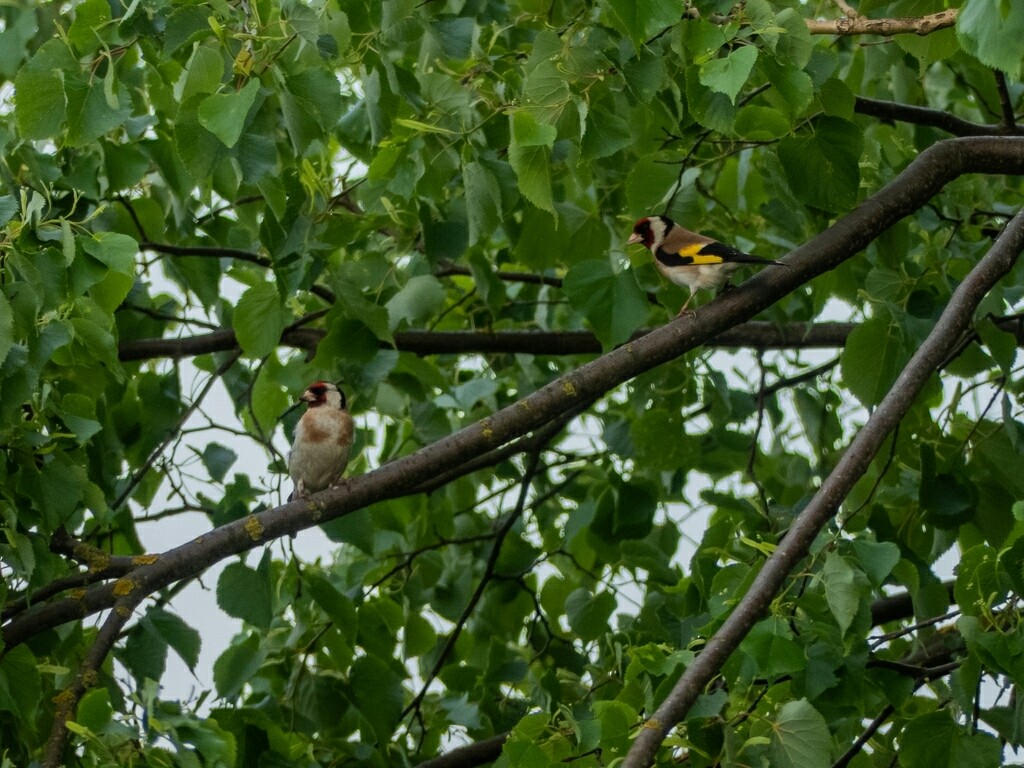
x=485, y=428
x=145, y=559
x=97, y=561
x=90, y=678
x=77, y=594
x=123, y=611
x=652, y=725
x=254, y=528
x=124, y=587
x=569, y=389
x=524, y=404
x=64, y=701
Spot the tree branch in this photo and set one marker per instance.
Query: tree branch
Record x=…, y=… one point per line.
x=911, y=189
x=759, y=335
x=860, y=25
x=933, y=118
x=752, y=335
x=954, y=320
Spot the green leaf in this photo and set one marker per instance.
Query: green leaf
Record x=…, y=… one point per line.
x=40, y=106
x=94, y=711
x=218, y=460
x=204, y=72
x=377, y=693
x=873, y=357
x=995, y=38
x=89, y=112
x=528, y=132
x=85, y=32
x=771, y=646
x=800, y=737
x=949, y=499
x=20, y=683
x=174, y=632
x=145, y=653
x=713, y=110
x=837, y=99
x=647, y=185
x=589, y=614
x=792, y=84
x=8, y=208
x=625, y=512
x=796, y=45
x=317, y=92
x=640, y=20
x=259, y=319
x=237, y=666
x=245, y=593
x=335, y=604
x=223, y=114
x=269, y=400
x=78, y=412
x=761, y=123
x=840, y=590
x=613, y=303
x=1001, y=344
x=483, y=201
x=529, y=156
x=6, y=327
x=823, y=165
x=935, y=741
x=115, y=250
x=728, y=74
x=419, y=299
x=877, y=559
x=455, y=36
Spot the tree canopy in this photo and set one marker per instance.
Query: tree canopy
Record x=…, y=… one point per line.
x=577, y=529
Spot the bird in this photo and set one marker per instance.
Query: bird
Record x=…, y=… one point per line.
x=689, y=259
x=323, y=440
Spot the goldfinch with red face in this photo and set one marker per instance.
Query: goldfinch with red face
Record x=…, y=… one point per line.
x=323, y=440
x=689, y=259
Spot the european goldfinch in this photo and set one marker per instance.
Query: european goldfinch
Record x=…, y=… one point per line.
x=323, y=440
x=689, y=259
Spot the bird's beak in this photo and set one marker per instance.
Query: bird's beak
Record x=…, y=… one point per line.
x=634, y=238
x=307, y=397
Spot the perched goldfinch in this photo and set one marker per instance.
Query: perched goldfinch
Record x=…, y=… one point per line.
x=689, y=259
x=323, y=440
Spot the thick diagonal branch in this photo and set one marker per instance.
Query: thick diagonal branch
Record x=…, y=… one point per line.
x=855, y=462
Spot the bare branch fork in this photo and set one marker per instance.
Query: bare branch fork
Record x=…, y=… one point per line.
x=855, y=462
x=917, y=184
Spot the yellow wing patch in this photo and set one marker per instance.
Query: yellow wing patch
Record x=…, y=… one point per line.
x=693, y=253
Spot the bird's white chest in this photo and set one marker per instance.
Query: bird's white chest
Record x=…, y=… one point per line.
x=699, y=276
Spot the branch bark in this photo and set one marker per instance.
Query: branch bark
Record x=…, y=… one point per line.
x=759, y=335
x=855, y=462
x=934, y=118
x=753, y=335
x=921, y=180
x=860, y=25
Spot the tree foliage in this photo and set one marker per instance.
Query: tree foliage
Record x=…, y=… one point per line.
x=576, y=529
